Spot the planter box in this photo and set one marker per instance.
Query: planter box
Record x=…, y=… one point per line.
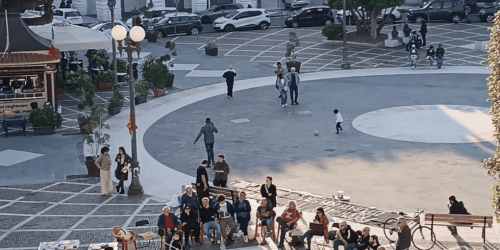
x=211, y=52
x=140, y=99
x=152, y=37
x=83, y=130
x=92, y=169
x=170, y=82
x=105, y=85
x=158, y=92
x=295, y=65
x=60, y=91
x=121, y=77
x=114, y=111
x=45, y=130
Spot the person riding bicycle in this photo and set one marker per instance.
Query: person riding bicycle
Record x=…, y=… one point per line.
x=404, y=234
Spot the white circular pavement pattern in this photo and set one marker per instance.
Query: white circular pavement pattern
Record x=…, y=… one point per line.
x=428, y=123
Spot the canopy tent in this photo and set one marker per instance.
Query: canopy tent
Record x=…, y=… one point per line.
x=69, y=37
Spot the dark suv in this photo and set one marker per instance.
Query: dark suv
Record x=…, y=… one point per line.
x=216, y=11
x=439, y=10
x=183, y=22
x=310, y=16
x=471, y=5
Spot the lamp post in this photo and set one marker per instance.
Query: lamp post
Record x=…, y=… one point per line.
x=111, y=5
x=345, y=64
x=135, y=37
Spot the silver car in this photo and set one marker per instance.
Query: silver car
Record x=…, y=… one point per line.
x=295, y=4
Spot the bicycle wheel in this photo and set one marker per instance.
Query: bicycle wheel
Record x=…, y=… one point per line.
x=390, y=229
x=423, y=238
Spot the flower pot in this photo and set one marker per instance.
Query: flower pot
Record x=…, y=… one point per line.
x=114, y=111
x=92, y=169
x=105, y=85
x=140, y=99
x=152, y=36
x=158, y=92
x=170, y=82
x=121, y=78
x=44, y=130
x=211, y=52
x=295, y=64
x=60, y=91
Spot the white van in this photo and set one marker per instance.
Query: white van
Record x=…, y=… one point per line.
x=68, y=15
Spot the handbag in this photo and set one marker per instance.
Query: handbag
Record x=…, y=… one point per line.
x=285, y=88
x=318, y=228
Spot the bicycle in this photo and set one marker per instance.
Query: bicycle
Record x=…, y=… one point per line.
x=425, y=240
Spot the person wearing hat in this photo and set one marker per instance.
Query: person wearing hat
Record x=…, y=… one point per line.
x=229, y=74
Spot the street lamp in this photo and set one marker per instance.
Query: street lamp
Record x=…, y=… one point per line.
x=136, y=35
x=345, y=64
x=111, y=5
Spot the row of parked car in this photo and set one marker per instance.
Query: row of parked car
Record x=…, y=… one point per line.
x=454, y=10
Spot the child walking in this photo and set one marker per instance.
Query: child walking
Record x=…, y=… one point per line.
x=338, y=121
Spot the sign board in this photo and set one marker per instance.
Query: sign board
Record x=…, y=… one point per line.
x=19, y=108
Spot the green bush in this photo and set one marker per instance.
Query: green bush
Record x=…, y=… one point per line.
x=141, y=89
x=121, y=66
x=332, y=30
x=116, y=100
x=45, y=117
x=155, y=72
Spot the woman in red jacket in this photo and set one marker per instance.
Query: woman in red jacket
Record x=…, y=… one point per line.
x=320, y=219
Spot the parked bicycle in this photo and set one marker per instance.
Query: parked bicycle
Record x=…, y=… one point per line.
x=422, y=237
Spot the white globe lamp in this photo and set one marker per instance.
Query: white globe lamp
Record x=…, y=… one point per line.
x=137, y=34
x=119, y=33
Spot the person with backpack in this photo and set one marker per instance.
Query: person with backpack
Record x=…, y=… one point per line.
x=439, y=55
x=431, y=53
x=455, y=207
x=413, y=56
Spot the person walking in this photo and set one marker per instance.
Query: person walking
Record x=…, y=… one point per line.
x=103, y=163
x=455, y=207
x=338, y=121
x=292, y=79
x=439, y=55
x=221, y=169
x=423, y=32
x=431, y=53
x=413, y=56
x=208, y=136
x=283, y=88
x=279, y=71
x=229, y=74
x=121, y=172
x=202, y=181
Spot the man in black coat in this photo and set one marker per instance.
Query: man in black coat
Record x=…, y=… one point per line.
x=456, y=207
x=229, y=74
x=423, y=32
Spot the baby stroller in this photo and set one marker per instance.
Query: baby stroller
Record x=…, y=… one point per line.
x=415, y=38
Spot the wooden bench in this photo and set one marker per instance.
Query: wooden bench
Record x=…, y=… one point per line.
x=231, y=194
x=460, y=220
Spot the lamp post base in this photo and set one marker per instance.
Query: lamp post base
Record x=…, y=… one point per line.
x=135, y=187
x=345, y=66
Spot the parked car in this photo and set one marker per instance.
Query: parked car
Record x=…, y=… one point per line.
x=390, y=15
x=182, y=22
x=152, y=15
x=106, y=27
x=295, y=4
x=68, y=15
x=40, y=10
x=216, y=11
x=439, y=10
x=471, y=5
x=310, y=16
x=243, y=19
x=488, y=14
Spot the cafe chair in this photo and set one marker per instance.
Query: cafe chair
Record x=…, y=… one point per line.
x=259, y=224
x=125, y=238
x=144, y=234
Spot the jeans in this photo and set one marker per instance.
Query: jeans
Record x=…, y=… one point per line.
x=283, y=97
x=431, y=58
x=308, y=235
x=243, y=219
x=211, y=225
x=270, y=204
x=439, y=61
x=413, y=60
x=210, y=151
x=337, y=243
x=338, y=126
x=230, y=88
x=267, y=222
x=294, y=89
x=400, y=39
x=284, y=230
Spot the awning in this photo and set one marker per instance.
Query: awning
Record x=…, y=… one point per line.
x=69, y=37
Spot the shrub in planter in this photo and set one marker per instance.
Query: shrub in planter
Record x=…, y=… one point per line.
x=104, y=80
x=96, y=140
x=115, y=103
x=85, y=92
x=293, y=42
x=60, y=84
x=121, y=67
x=211, y=47
x=155, y=72
x=330, y=31
x=45, y=120
x=141, y=90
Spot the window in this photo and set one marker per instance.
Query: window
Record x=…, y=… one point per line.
x=447, y=5
x=241, y=15
x=193, y=18
x=307, y=13
x=106, y=26
x=183, y=19
x=321, y=11
x=231, y=7
x=73, y=14
x=58, y=13
x=254, y=13
x=436, y=5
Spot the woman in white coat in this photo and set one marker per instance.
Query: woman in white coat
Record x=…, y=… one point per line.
x=283, y=88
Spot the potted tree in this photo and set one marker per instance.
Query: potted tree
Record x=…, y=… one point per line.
x=115, y=103
x=85, y=91
x=104, y=80
x=156, y=73
x=44, y=121
x=211, y=47
x=95, y=141
x=293, y=43
x=141, y=91
x=60, y=88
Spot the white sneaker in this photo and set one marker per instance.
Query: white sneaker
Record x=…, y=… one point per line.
x=282, y=106
x=245, y=239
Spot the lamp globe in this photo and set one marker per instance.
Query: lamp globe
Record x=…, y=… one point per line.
x=137, y=34
x=119, y=33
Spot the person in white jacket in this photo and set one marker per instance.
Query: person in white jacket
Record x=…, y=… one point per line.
x=338, y=121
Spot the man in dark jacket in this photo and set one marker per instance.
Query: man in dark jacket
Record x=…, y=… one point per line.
x=221, y=169
x=229, y=74
x=456, y=207
x=202, y=181
x=189, y=197
x=439, y=55
x=406, y=30
x=404, y=235
x=208, y=136
x=167, y=224
x=225, y=212
x=208, y=216
x=423, y=32
x=364, y=240
x=345, y=237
